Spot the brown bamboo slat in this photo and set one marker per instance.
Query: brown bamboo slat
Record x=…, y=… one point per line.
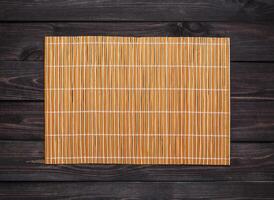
x=137, y=100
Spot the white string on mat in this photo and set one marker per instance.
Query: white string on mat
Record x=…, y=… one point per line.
x=139, y=43
x=123, y=157
x=133, y=66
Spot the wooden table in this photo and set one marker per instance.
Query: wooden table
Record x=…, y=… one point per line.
x=23, y=26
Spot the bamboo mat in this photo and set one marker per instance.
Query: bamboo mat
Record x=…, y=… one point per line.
x=129, y=100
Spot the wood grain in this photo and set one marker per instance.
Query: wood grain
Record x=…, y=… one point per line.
x=25, y=41
x=137, y=10
x=24, y=161
x=137, y=100
x=138, y=190
x=21, y=80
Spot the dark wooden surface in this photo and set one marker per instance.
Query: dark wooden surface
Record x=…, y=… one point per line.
x=23, y=26
x=138, y=190
x=136, y=10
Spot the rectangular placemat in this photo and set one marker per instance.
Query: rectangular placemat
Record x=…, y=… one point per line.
x=137, y=100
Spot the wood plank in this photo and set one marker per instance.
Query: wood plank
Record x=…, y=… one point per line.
x=22, y=120
x=25, y=41
x=140, y=10
x=251, y=120
x=138, y=190
x=21, y=80
x=22, y=161
x=24, y=80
